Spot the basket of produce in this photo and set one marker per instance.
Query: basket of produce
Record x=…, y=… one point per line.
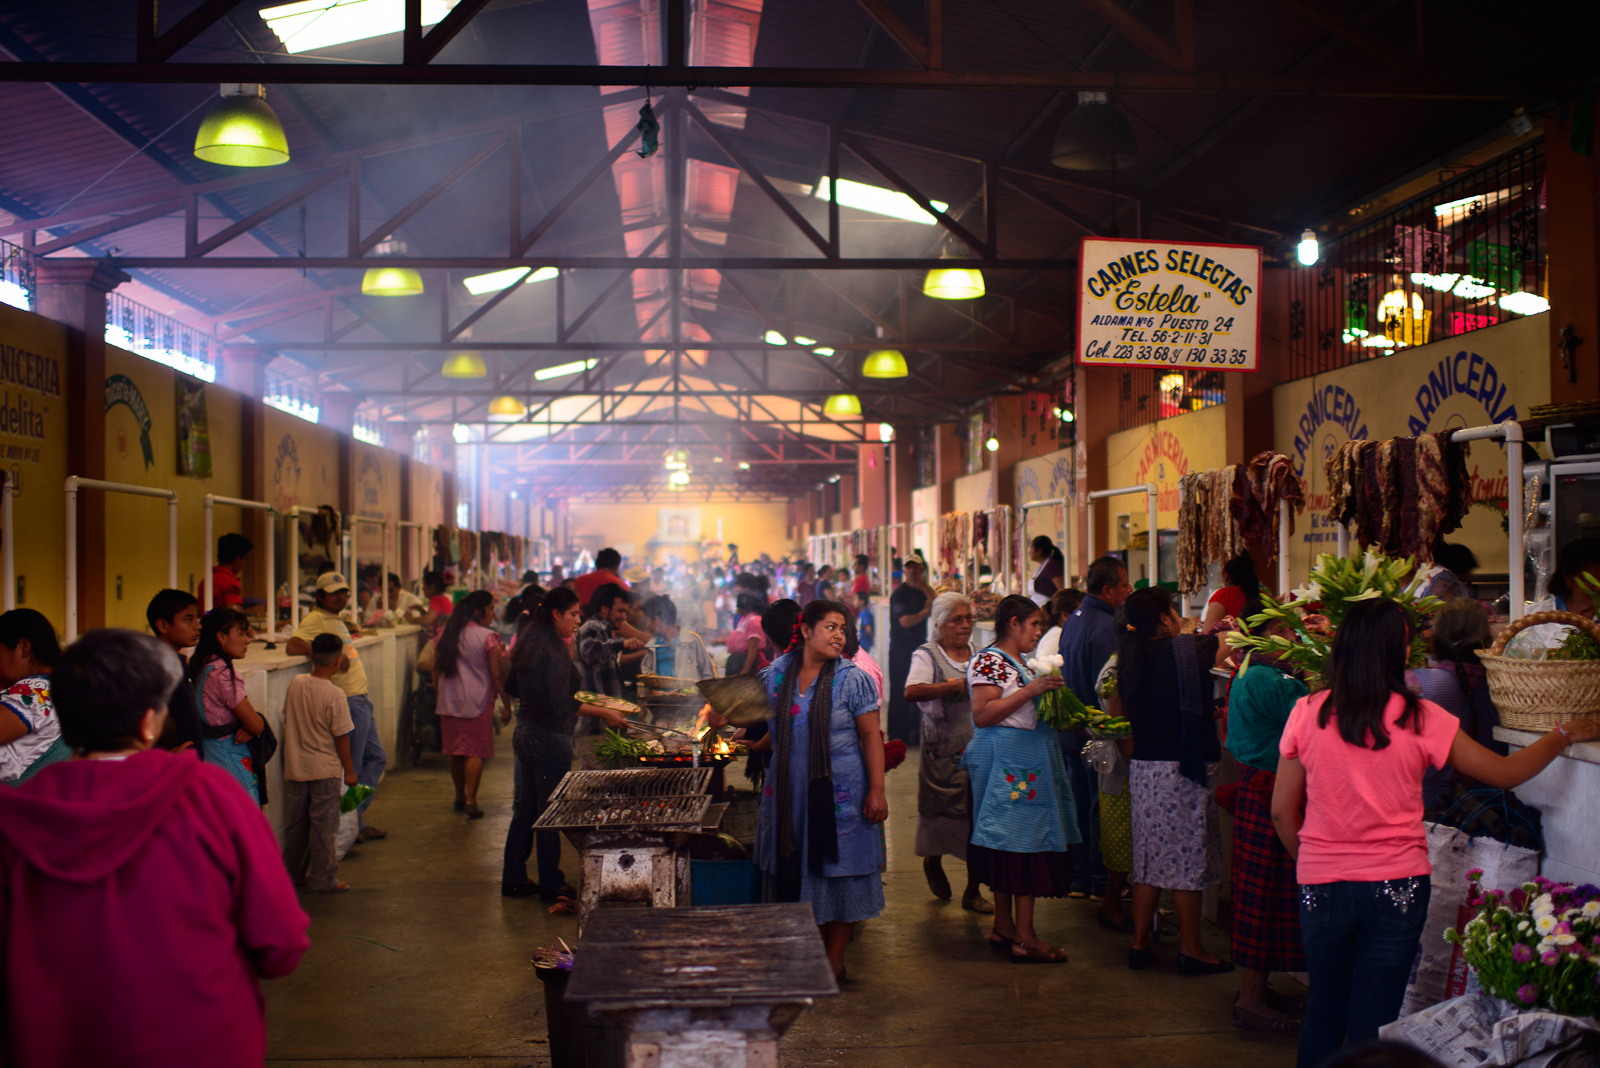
x=1537, y=694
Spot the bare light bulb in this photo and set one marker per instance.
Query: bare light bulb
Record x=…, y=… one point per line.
x=1308, y=250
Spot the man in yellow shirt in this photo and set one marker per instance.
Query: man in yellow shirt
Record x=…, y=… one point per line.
x=332, y=594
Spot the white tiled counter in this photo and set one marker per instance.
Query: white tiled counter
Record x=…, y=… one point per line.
x=1567, y=795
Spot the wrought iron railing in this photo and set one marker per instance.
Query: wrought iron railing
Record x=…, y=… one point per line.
x=16, y=276
x=148, y=333
x=1467, y=254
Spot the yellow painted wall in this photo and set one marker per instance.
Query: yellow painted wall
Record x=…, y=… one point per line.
x=1484, y=377
x=1162, y=452
x=975, y=492
x=375, y=495
x=136, y=527
x=1045, y=478
x=33, y=452
x=632, y=529
x=301, y=460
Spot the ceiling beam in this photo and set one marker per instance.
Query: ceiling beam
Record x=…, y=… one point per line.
x=455, y=263
x=314, y=73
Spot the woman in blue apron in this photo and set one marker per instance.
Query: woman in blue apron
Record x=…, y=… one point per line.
x=229, y=721
x=816, y=839
x=1023, y=817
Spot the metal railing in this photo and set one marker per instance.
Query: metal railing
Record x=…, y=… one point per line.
x=73, y=485
x=1465, y=255
x=148, y=333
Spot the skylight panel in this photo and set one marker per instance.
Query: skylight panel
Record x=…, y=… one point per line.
x=479, y=284
x=881, y=201
x=313, y=24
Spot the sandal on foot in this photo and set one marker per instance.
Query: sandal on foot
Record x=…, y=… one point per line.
x=474, y=812
x=372, y=834
x=1000, y=943
x=460, y=803
x=1036, y=953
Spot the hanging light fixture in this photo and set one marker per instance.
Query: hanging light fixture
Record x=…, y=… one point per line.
x=507, y=408
x=391, y=281
x=242, y=130
x=885, y=432
x=842, y=405
x=1308, y=248
x=464, y=364
x=678, y=479
x=883, y=363
x=1095, y=137
x=993, y=444
x=677, y=459
x=953, y=283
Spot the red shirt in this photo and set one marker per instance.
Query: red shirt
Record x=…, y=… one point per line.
x=862, y=584
x=585, y=585
x=226, y=590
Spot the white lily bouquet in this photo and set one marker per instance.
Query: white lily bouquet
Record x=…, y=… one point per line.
x=1313, y=612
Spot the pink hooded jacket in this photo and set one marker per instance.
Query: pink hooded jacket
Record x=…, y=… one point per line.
x=141, y=903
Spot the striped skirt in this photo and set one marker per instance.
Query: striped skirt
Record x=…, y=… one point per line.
x=1266, y=902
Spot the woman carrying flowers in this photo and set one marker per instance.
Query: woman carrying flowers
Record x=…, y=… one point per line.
x=1023, y=816
x=1347, y=804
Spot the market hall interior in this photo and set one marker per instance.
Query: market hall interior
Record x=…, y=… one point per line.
x=350, y=318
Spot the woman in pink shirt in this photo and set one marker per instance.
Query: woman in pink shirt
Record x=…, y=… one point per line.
x=1348, y=806
x=470, y=673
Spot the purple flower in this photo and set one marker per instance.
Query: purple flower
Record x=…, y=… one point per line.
x=1522, y=953
x=1563, y=928
x=1550, y=958
x=1518, y=899
x=1474, y=875
x=1526, y=993
x=1587, y=892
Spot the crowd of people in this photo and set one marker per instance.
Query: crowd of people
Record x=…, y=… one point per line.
x=132, y=835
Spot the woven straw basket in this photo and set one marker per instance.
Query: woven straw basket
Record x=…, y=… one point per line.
x=1538, y=694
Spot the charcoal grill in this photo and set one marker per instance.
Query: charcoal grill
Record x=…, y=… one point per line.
x=703, y=987
x=631, y=828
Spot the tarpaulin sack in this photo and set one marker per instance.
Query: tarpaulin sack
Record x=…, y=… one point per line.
x=1438, y=971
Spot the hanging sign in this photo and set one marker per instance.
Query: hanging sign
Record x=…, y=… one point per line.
x=1162, y=304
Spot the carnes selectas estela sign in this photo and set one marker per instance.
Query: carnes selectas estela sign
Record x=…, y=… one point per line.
x=1159, y=304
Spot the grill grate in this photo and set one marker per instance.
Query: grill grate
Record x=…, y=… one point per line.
x=633, y=783
x=657, y=813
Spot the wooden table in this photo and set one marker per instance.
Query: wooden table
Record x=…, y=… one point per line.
x=702, y=987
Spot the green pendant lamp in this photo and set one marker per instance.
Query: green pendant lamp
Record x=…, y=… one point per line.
x=242, y=130
x=842, y=406
x=884, y=363
x=464, y=364
x=953, y=283
x=391, y=281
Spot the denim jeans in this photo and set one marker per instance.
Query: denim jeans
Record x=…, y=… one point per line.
x=543, y=757
x=1088, y=870
x=366, y=749
x=1361, y=940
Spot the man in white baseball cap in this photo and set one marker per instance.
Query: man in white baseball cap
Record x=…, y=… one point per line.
x=332, y=594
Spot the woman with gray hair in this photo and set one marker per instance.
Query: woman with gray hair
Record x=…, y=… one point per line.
x=937, y=682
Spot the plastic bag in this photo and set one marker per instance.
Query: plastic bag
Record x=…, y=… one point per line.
x=349, y=830
x=353, y=797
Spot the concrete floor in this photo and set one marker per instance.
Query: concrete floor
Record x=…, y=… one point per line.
x=424, y=963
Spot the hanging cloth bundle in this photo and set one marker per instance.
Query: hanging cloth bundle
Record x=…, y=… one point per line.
x=649, y=131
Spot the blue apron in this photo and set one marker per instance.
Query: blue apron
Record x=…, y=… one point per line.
x=1021, y=797
x=231, y=756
